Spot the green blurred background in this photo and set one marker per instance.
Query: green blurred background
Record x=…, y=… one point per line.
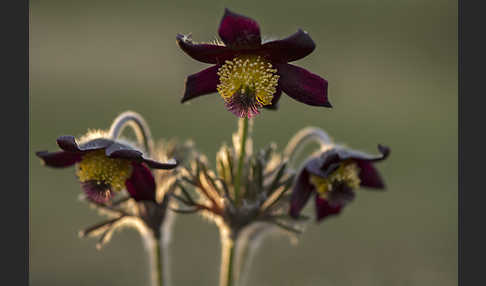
x=392, y=72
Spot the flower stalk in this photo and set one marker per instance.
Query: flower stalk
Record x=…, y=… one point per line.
x=158, y=263
x=243, y=134
x=139, y=127
x=227, y=266
x=304, y=137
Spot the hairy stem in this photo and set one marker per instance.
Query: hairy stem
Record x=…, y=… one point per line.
x=302, y=138
x=156, y=256
x=158, y=262
x=243, y=134
x=139, y=126
x=226, y=277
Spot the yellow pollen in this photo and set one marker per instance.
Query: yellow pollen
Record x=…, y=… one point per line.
x=96, y=166
x=248, y=75
x=347, y=173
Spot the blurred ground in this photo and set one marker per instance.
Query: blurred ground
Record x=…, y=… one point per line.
x=392, y=72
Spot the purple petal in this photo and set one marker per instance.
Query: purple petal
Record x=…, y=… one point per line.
x=300, y=194
x=201, y=83
x=238, y=31
x=158, y=165
x=121, y=151
x=68, y=143
x=324, y=164
x=345, y=154
x=325, y=209
x=59, y=159
x=302, y=85
x=97, y=191
x=141, y=185
x=291, y=48
x=118, y=150
x=385, y=152
x=206, y=53
x=96, y=144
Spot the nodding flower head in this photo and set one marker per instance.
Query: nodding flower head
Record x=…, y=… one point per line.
x=332, y=177
x=105, y=166
x=148, y=211
x=250, y=74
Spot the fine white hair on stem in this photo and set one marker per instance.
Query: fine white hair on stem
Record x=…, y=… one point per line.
x=157, y=252
x=302, y=138
x=138, y=125
x=247, y=245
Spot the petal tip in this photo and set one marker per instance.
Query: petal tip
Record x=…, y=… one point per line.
x=41, y=154
x=384, y=150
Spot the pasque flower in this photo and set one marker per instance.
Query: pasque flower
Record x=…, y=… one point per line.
x=149, y=210
x=332, y=177
x=105, y=166
x=250, y=74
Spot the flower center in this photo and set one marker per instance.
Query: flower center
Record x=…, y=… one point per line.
x=252, y=77
x=96, y=166
x=347, y=173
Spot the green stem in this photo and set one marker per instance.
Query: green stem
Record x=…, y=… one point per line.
x=227, y=257
x=243, y=133
x=158, y=263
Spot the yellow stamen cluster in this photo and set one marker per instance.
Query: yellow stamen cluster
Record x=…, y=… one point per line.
x=346, y=173
x=252, y=75
x=96, y=166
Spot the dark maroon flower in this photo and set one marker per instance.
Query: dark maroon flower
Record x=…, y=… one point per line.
x=332, y=177
x=105, y=165
x=249, y=74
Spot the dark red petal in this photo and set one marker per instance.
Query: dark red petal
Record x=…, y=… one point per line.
x=201, y=83
x=206, y=53
x=291, y=48
x=238, y=31
x=300, y=194
x=141, y=185
x=275, y=99
x=302, y=85
x=369, y=176
x=325, y=209
x=96, y=191
x=59, y=159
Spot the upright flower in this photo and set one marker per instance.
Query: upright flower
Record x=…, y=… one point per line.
x=250, y=74
x=105, y=166
x=332, y=177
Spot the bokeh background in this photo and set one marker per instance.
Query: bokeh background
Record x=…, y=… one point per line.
x=392, y=72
